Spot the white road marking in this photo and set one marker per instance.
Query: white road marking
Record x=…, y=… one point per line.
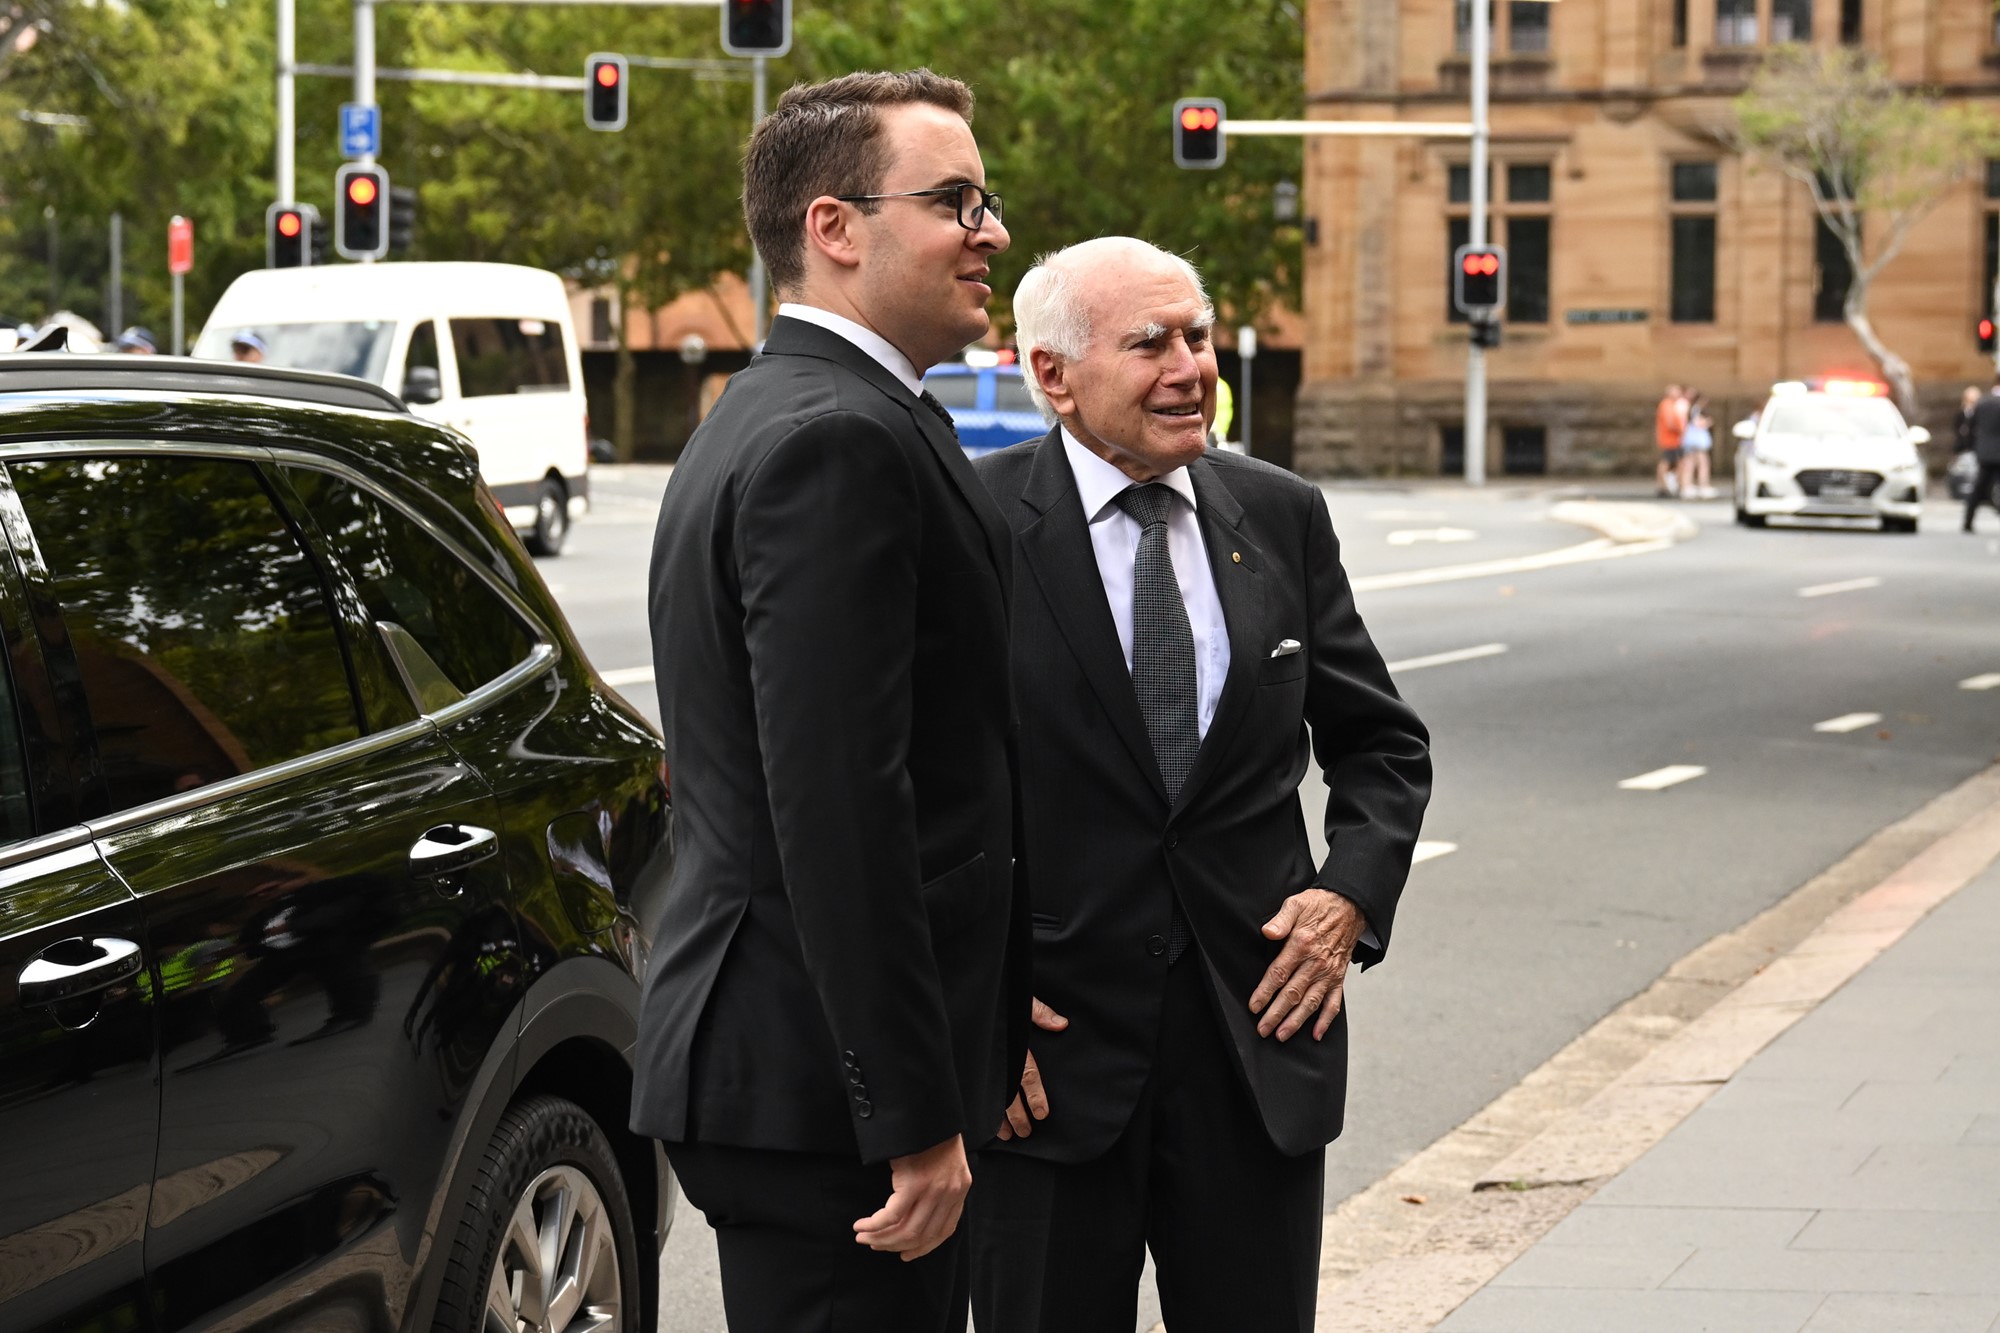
x=1431, y=851
x=1848, y=722
x=1411, y=536
x=1603, y=548
x=628, y=676
x=1845, y=585
x=1985, y=682
x=1446, y=659
x=1661, y=778
x=1408, y=515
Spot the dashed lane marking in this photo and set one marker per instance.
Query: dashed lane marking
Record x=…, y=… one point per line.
x=1431, y=851
x=1848, y=722
x=628, y=676
x=1603, y=548
x=1446, y=659
x=1662, y=778
x=1845, y=585
x=1443, y=536
x=1986, y=682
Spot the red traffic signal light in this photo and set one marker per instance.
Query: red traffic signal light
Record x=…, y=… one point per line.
x=1478, y=280
x=604, y=96
x=756, y=27
x=290, y=224
x=1485, y=264
x=361, y=208
x=1985, y=331
x=1200, y=134
x=288, y=235
x=362, y=191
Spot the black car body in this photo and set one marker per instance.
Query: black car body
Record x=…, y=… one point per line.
x=325, y=863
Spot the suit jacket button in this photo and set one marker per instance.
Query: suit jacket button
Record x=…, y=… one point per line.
x=848, y=1057
x=864, y=1109
x=1155, y=945
x=1173, y=839
x=861, y=1092
x=854, y=1076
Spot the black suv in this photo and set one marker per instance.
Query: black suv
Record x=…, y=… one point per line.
x=325, y=868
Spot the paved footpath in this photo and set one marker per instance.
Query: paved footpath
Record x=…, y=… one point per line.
x=1846, y=1178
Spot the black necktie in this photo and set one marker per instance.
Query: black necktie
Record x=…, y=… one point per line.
x=1163, y=668
x=931, y=401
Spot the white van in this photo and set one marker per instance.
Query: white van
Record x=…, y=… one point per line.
x=484, y=348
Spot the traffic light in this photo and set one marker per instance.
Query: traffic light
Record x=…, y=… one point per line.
x=1479, y=279
x=756, y=27
x=402, y=218
x=604, y=92
x=1199, y=133
x=289, y=235
x=1985, y=331
x=1486, y=333
x=361, y=211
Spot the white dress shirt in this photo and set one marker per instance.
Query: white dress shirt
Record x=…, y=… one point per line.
x=879, y=349
x=1114, y=537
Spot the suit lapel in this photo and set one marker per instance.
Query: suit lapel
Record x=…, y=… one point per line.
x=1236, y=564
x=1055, y=546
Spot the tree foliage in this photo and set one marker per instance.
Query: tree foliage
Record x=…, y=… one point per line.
x=1866, y=148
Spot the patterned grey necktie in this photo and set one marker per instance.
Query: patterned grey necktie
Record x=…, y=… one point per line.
x=1163, y=674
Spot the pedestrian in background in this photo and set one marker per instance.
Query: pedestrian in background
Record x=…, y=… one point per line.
x=1967, y=401
x=1986, y=447
x=1697, y=443
x=1669, y=420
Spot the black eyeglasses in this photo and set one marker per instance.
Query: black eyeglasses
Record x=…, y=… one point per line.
x=974, y=204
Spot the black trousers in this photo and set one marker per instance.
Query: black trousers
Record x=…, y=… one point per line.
x=1982, y=491
x=784, y=1230
x=1233, y=1224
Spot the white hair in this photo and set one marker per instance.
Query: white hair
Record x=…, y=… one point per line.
x=1052, y=310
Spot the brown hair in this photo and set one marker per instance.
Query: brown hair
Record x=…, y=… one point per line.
x=826, y=138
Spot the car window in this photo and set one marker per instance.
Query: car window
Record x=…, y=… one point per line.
x=201, y=627
x=961, y=391
x=342, y=347
x=423, y=351
x=1851, y=418
x=415, y=585
x=1010, y=394
x=17, y=818
x=502, y=356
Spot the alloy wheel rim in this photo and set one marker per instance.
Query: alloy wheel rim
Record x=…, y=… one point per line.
x=553, y=519
x=557, y=1267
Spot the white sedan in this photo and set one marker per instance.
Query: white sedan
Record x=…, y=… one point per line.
x=1839, y=449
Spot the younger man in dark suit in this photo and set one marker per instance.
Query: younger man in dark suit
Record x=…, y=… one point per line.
x=1184, y=641
x=836, y=1001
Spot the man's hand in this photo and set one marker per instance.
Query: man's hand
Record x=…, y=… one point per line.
x=1020, y=1119
x=926, y=1194
x=1319, y=928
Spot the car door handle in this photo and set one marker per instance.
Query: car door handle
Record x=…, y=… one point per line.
x=77, y=967
x=450, y=848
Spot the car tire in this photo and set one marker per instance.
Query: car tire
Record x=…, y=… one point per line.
x=548, y=1164
x=1748, y=519
x=1904, y=525
x=551, y=520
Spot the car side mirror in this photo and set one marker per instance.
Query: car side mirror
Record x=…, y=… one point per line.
x=422, y=385
x=1743, y=430
x=1919, y=435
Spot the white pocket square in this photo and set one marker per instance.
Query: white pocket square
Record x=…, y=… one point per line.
x=1285, y=648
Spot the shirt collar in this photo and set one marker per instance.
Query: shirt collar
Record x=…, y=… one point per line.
x=878, y=348
x=1098, y=483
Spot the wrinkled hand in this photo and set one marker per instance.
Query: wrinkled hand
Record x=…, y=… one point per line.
x=926, y=1194
x=1020, y=1119
x=1319, y=928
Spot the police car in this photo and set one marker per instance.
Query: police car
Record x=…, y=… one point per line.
x=1830, y=449
x=988, y=401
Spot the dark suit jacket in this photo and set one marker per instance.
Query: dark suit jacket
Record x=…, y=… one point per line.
x=1986, y=428
x=1102, y=848
x=841, y=961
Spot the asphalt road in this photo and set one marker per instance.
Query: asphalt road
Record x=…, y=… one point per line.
x=1552, y=893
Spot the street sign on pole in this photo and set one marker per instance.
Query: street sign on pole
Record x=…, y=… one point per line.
x=360, y=130
x=180, y=258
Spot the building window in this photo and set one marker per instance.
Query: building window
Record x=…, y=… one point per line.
x=1680, y=23
x=1735, y=22
x=1833, y=275
x=1691, y=299
x=1524, y=451
x=1520, y=222
x=1791, y=20
x=1850, y=22
x=1992, y=211
x=600, y=319
x=1528, y=27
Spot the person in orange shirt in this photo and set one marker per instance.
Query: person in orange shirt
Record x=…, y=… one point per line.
x=1669, y=421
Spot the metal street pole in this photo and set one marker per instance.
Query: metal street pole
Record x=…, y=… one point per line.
x=287, y=104
x=1475, y=356
x=757, y=295
x=55, y=279
x=364, y=74
x=1246, y=353
x=114, y=316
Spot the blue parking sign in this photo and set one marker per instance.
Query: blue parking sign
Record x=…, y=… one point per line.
x=360, y=130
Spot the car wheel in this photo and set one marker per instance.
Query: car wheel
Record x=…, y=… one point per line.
x=547, y=1241
x=1899, y=525
x=551, y=520
x=1748, y=519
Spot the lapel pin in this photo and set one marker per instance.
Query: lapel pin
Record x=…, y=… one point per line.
x=1237, y=556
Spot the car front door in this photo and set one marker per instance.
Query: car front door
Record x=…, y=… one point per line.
x=318, y=876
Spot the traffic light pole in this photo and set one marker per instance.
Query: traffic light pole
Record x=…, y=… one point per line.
x=1475, y=355
x=758, y=297
x=287, y=37
x=364, y=78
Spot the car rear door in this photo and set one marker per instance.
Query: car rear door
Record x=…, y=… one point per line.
x=79, y=1111
x=516, y=402
x=318, y=875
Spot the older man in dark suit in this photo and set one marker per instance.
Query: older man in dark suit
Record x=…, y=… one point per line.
x=1185, y=640
x=836, y=1001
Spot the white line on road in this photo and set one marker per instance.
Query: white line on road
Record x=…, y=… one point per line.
x=1661, y=778
x=1411, y=536
x=1848, y=722
x=1985, y=682
x=1845, y=585
x=1431, y=851
x=1446, y=659
x=1601, y=549
x=628, y=676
